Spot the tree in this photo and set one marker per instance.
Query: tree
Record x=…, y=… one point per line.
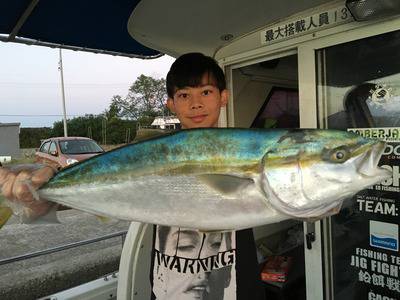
x=110, y=131
x=88, y=125
x=120, y=131
x=114, y=109
x=31, y=137
x=145, y=100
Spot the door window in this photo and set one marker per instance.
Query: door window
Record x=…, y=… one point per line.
x=359, y=90
x=53, y=147
x=280, y=110
x=45, y=147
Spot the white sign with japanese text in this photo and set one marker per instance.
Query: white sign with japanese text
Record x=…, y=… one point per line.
x=296, y=27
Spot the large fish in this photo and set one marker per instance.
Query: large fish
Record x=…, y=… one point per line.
x=222, y=179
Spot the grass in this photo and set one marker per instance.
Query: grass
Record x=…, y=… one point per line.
x=147, y=133
x=25, y=160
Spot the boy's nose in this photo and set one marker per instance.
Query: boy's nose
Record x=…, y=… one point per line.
x=196, y=103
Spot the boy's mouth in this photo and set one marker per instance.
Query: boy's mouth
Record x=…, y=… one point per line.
x=198, y=118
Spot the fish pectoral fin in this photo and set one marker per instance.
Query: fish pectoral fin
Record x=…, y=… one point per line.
x=225, y=184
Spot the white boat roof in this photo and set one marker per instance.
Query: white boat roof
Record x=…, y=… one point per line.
x=176, y=26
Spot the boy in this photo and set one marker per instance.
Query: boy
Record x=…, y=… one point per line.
x=211, y=265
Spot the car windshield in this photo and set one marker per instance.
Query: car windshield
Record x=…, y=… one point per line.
x=79, y=147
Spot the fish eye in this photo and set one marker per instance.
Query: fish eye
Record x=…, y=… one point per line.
x=339, y=155
x=336, y=155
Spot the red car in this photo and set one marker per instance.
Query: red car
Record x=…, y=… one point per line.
x=64, y=151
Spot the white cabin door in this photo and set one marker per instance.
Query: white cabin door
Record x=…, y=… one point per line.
x=358, y=89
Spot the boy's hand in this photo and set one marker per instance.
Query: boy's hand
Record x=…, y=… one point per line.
x=18, y=184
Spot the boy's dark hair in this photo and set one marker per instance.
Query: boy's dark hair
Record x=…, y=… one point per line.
x=188, y=70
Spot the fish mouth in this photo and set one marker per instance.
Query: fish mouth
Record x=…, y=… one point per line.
x=369, y=161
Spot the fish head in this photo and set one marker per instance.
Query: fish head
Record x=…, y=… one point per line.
x=309, y=173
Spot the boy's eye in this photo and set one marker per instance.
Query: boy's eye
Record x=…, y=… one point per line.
x=207, y=92
x=183, y=95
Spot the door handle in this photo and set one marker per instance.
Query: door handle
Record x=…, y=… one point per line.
x=310, y=238
x=310, y=235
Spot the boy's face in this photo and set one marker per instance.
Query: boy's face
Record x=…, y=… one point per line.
x=199, y=106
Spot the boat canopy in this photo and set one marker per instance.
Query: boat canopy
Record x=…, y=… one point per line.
x=96, y=26
x=140, y=28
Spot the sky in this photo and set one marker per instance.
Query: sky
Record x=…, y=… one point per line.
x=30, y=84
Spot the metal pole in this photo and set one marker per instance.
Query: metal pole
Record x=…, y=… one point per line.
x=64, y=247
x=60, y=67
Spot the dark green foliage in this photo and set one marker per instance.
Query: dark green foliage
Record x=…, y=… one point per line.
x=120, y=131
x=112, y=132
x=30, y=137
x=103, y=131
x=89, y=126
x=114, y=109
x=145, y=121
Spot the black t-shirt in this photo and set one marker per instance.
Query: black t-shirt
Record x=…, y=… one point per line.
x=188, y=264
x=249, y=284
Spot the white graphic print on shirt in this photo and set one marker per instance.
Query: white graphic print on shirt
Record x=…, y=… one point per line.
x=192, y=265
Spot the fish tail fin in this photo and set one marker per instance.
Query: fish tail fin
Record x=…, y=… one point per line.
x=36, y=211
x=34, y=192
x=5, y=215
x=50, y=217
x=5, y=211
x=47, y=212
x=103, y=219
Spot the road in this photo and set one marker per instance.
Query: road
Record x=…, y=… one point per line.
x=44, y=275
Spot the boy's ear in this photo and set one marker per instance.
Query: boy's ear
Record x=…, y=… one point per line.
x=170, y=105
x=224, y=97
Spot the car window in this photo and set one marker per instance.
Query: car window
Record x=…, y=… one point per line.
x=45, y=147
x=53, y=147
x=79, y=147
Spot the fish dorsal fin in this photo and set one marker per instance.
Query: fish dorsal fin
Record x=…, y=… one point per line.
x=225, y=184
